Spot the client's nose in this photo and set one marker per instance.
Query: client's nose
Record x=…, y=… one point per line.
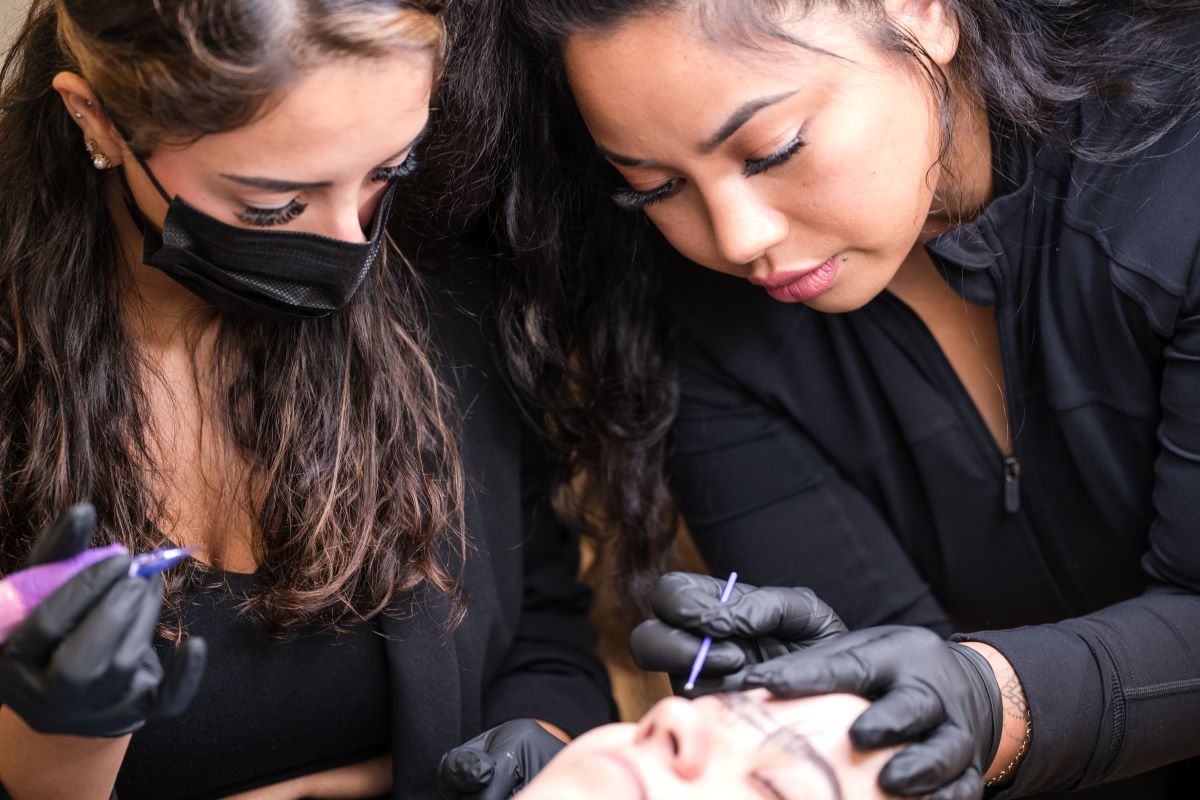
x=675, y=731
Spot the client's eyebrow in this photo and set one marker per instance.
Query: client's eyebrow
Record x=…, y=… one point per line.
x=754, y=713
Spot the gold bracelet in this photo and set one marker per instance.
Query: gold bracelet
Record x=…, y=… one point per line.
x=1012, y=765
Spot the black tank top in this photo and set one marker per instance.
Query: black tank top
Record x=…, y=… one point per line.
x=267, y=709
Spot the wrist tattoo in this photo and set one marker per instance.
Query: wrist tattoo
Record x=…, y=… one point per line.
x=1015, y=702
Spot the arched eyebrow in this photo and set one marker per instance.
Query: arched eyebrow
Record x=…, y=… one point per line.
x=277, y=185
x=743, y=114
x=740, y=117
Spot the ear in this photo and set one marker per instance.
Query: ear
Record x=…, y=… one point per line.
x=930, y=23
x=85, y=111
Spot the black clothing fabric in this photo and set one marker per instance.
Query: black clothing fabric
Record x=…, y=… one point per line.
x=268, y=709
x=841, y=452
x=525, y=648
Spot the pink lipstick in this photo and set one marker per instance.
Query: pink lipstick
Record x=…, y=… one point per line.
x=799, y=286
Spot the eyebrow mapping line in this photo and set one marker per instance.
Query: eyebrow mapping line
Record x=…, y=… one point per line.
x=754, y=713
x=739, y=118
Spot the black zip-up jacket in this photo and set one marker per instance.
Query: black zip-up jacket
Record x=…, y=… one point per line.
x=842, y=452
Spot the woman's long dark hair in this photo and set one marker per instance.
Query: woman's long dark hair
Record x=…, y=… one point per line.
x=353, y=477
x=584, y=333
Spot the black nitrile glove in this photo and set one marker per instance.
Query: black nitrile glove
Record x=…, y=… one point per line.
x=497, y=763
x=755, y=625
x=83, y=662
x=942, y=696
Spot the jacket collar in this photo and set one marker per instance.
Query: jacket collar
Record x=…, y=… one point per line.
x=972, y=256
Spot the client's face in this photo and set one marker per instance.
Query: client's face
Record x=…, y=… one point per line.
x=740, y=746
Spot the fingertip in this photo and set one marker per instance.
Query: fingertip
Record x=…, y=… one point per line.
x=182, y=677
x=467, y=769
x=866, y=737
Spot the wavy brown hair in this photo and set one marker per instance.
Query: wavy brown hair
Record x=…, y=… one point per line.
x=585, y=332
x=353, y=478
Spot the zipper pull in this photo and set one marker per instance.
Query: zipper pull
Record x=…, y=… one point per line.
x=1012, y=484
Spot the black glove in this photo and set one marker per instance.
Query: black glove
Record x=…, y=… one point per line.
x=83, y=662
x=942, y=696
x=498, y=762
x=755, y=625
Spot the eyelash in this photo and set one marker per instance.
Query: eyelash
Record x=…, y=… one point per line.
x=755, y=166
x=270, y=217
x=404, y=169
x=634, y=200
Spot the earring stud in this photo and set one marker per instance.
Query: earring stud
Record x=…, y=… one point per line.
x=99, y=160
x=78, y=115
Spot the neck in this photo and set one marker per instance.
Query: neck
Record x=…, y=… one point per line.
x=965, y=184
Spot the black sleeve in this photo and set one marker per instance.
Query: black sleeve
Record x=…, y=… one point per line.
x=760, y=498
x=552, y=672
x=1117, y=692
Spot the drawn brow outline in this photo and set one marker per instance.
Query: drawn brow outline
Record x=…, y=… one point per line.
x=775, y=733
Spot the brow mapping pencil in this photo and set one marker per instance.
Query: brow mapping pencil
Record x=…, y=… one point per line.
x=701, y=656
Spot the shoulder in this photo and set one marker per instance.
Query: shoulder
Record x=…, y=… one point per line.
x=1143, y=211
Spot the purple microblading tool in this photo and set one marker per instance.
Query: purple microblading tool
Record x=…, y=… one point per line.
x=22, y=591
x=701, y=656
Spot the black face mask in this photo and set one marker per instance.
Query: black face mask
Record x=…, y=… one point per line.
x=271, y=275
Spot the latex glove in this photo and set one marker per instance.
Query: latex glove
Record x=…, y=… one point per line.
x=755, y=625
x=497, y=763
x=83, y=662
x=940, y=695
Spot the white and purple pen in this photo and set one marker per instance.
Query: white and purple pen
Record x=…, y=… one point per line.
x=701, y=656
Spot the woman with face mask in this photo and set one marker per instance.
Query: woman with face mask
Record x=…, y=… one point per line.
x=209, y=334
x=931, y=271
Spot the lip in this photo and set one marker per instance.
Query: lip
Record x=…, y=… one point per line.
x=799, y=286
x=631, y=777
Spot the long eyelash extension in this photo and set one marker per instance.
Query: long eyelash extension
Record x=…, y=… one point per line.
x=633, y=200
x=268, y=217
x=404, y=169
x=756, y=165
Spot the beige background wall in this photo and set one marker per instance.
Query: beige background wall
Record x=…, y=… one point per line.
x=11, y=12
